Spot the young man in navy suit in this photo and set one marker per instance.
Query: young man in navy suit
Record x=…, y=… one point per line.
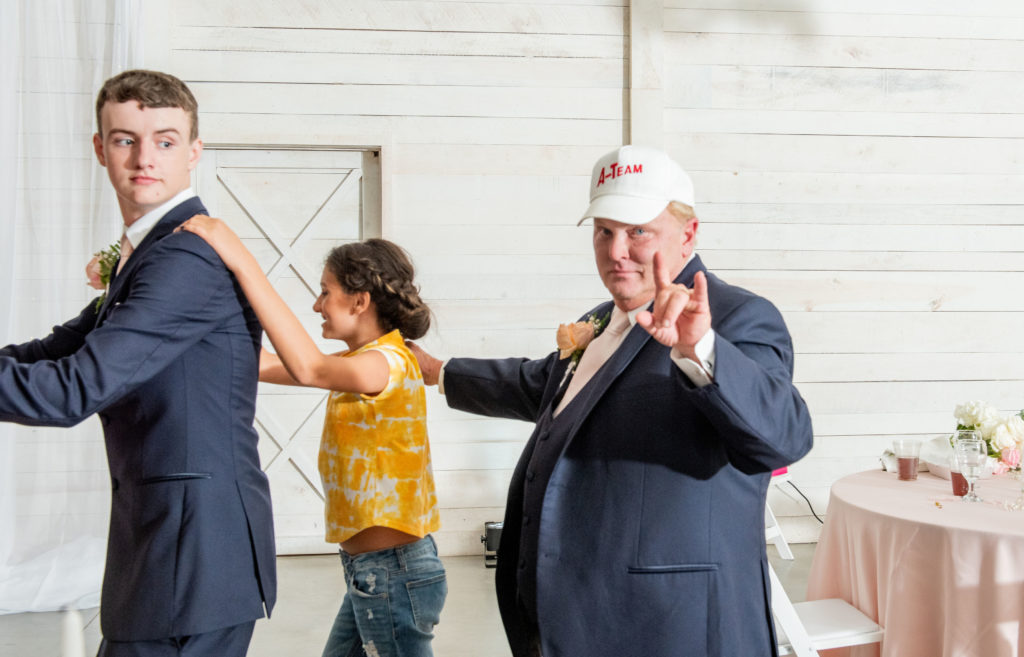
x=635, y=517
x=169, y=361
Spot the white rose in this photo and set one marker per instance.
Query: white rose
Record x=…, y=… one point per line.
x=1015, y=428
x=1003, y=436
x=977, y=414
x=988, y=426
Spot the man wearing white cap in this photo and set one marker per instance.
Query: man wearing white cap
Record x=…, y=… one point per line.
x=635, y=517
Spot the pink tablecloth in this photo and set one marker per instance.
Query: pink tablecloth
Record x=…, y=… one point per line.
x=943, y=577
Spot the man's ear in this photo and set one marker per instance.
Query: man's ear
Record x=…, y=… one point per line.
x=97, y=146
x=690, y=236
x=195, y=149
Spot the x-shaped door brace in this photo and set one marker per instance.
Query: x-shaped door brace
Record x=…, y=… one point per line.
x=307, y=469
x=288, y=258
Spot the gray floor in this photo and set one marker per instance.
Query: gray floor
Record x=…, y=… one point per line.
x=310, y=590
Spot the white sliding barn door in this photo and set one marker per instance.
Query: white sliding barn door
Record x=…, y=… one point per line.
x=290, y=207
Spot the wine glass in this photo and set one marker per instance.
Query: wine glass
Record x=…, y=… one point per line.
x=966, y=434
x=957, y=477
x=971, y=456
x=1018, y=504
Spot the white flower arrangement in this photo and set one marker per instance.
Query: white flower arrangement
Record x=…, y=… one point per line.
x=1004, y=435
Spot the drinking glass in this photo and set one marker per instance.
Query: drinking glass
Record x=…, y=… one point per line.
x=956, y=477
x=971, y=456
x=966, y=434
x=1018, y=504
x=907, y=452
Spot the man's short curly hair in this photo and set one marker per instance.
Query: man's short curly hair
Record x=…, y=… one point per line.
x=148, y=89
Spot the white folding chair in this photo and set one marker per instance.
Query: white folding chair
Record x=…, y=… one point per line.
x=805, y=628
x=773, y=533
x=72, y=641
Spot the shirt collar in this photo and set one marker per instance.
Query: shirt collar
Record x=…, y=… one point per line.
x=138, y=230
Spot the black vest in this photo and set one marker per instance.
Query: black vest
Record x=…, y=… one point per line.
x=552, y=435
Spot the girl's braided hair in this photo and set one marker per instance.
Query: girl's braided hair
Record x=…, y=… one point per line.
x=383, y=269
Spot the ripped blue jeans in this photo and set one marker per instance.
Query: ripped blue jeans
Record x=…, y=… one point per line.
x=393, y=602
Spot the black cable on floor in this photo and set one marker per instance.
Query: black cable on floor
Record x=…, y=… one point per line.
x=809, y=506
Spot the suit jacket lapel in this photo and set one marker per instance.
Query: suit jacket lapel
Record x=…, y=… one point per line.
x=613, y=367
x=174, y=218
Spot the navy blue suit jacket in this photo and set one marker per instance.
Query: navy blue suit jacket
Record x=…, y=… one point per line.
x=652, y=537
x=170, y=363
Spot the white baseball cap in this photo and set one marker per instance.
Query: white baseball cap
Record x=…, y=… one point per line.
x=634, y=184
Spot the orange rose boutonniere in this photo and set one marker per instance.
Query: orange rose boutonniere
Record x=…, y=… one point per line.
x=573, y=338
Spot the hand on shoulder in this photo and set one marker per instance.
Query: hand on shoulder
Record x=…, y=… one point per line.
x=219, y=236
x=430, y=367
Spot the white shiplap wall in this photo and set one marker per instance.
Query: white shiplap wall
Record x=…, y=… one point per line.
x=859, y=163
x=856, y=162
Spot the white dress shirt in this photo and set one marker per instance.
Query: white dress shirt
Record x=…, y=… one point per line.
x=141, y=226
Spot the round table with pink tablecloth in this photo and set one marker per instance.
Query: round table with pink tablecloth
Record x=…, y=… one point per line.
x=944, y=578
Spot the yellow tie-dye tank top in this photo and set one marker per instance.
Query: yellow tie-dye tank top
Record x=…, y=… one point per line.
x=374, y=455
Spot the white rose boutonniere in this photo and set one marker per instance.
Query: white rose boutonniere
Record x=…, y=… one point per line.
x=97, y=272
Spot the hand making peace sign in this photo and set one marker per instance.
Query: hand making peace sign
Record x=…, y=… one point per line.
x=681, y=316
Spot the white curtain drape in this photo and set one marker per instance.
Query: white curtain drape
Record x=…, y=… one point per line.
x=57, y=210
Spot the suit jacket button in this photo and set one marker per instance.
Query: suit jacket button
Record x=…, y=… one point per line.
x=530, y=474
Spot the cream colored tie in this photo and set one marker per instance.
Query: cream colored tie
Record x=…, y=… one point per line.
x=126, y=251
x=595, y=355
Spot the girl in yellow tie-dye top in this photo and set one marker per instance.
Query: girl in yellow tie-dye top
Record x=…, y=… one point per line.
x=374, y=454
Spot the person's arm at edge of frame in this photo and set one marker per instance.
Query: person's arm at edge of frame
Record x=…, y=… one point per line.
x=162, y=316
x=64, y=339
